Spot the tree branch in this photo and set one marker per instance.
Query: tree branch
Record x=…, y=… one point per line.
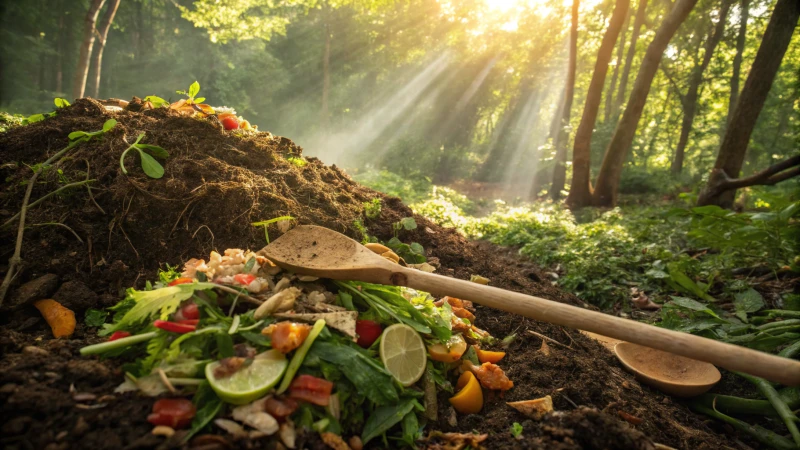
x=767, y=177
x=674, y=84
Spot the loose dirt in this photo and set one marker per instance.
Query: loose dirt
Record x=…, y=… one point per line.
x=216, y=184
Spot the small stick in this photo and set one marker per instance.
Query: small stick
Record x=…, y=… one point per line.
x=237, y=292
x=16, y=258
x=48, y=195
x=59, y=224
x=165, y=380
x=541, y=336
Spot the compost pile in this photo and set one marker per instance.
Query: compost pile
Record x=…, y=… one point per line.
x=86, y=245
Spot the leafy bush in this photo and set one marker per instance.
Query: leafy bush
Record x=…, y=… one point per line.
x=410, y=190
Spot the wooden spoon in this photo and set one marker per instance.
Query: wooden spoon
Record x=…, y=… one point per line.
x=673, y=374
x=317, y=251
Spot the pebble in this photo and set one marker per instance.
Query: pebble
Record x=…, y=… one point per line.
x=32, y=350
x=36, y=289
x=162, y=430
x=81, y=426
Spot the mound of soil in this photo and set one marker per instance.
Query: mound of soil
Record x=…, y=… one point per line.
x=86, y=245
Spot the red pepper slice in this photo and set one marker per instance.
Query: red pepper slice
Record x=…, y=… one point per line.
x=244, y=278
x=188, y=321
x=118, y=335
x=311, y=389
x=172, y=412
x=174, y=327
x=180, y=281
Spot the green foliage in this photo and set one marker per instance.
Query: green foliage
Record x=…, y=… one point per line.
x=410, y=190
x=156, y=101
x=9, y=121
x=194, y=89
x=297, y=161
x=143, y=306
x=516, y=430
x=95, y=317
x=150, y=166
x=372, y=208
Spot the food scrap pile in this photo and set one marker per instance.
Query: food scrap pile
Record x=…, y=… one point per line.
x=236, y=346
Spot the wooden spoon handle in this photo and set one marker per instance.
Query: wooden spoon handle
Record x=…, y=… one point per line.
x=732, y=357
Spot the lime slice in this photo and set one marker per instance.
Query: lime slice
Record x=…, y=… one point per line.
x=403, y=353
x=251, y=382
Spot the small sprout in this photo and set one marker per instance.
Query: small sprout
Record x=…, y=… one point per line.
x=516, y=430
x=372, y=208
x=508, y=340
x=266, y=223
x=155, y=101
x=61, y=102
x=150, y=166
x=194, y=89
x=297, y=161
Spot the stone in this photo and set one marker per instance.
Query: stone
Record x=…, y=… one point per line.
x=76, y=296
x=36, y=289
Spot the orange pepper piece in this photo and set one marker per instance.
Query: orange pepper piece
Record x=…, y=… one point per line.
x=469, y=400
x=60, y=318
x=485, y=356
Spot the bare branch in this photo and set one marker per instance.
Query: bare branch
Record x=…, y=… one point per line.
x=767, y=177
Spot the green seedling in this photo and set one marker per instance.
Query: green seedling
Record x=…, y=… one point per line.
x=372, y=208
x=516, y=430
x=59, y=102
x=150, y=166
x=266, y=223
x=156, y=101
x=194, y=89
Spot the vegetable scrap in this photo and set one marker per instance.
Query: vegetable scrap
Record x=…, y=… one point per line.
x=348, y=361
x=60, y=318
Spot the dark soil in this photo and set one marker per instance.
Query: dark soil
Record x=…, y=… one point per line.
x=216, y=184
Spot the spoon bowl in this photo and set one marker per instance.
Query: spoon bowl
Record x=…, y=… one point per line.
x=669, y=373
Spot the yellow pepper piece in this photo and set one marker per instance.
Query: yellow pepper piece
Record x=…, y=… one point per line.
x=469, y=400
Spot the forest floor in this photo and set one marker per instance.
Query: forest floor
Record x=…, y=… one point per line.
x=120, y=231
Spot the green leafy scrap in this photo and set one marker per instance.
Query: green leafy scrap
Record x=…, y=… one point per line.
x=150, y=166
x=158, y=303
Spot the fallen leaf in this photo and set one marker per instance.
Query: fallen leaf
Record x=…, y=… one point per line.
x=536, y=408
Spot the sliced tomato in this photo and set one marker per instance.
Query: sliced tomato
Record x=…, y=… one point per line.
x=244, y=278
x=178, y=281
x=118, y=335
x=189, y=311
x=230, y=123
x=172, y=412
x=368, y=331
x=174, y=327
x=287, y=336
x=311, y=389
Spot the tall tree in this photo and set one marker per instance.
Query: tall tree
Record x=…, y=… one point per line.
x=326, y=66
x=87, y=42
x=721, y=188
x=580, y=191
x=741, y=38
x=560, y=168
x=612, y=87
x=605, y=193
x=689, y=100
x=641, y=15
x=102, y=38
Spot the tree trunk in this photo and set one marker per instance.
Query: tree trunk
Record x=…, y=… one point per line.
x=97, y=59
x=326, y=70
x=737, y=60
x=87, y=42
x=754, y=93
x=562, y=139
x=612, y=88
x=60, y=36
x=690, y=99
x=605, y=193
x=580, y=192
x=641, y=15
